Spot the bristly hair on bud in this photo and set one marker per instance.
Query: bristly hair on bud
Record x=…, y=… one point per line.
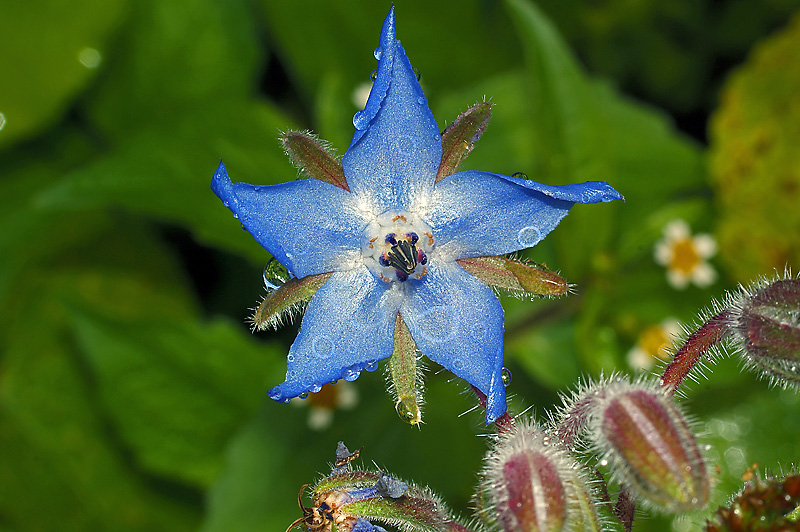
x=638, y=430
x=764, y=327
x=760, y=323
x=532, y=484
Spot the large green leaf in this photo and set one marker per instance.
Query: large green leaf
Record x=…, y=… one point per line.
x=177, y=391
x=166, y=173
x=61, y=470
x=175, y=58
x=45, y=60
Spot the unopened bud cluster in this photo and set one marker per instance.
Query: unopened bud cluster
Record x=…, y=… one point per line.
x=532, y=482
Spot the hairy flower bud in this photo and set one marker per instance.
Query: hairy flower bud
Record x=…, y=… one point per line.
x=764, y=322
x=648, y=445
x=532, y=485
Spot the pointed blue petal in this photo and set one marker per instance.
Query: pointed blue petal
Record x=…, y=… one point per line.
x=348, y=326
x=476, y=214
x=307, y=224
x=396, y=149
x=457, y=322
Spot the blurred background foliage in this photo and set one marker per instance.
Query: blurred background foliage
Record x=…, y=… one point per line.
x=132, y=394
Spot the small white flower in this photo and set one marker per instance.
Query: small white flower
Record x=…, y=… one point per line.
x=653, y=344
x=322, y=405
x=685, y=256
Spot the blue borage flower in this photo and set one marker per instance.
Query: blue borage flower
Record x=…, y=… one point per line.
x=387, y=235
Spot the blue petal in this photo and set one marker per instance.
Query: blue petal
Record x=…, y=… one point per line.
x=396, y=149
x=348, y=326
x=457, y=322
x=307, y=224
x=477, y=214
x=362, y=525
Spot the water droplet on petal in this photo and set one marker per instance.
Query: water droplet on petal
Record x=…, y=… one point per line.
x=274, y=393
x=372, y=365
x=303, y=395
x=378, y=53
x=506, y=376
x=520, y=175
x=290, y=358
x=373, y=75
x=275, y=275
x=529, y=236
x=315, y=387
x=416, y=73
x=350, y=374
x=458, y=364
x=360, y=120
x=421, y=100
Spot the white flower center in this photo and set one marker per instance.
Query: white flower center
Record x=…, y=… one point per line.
x=396, y=245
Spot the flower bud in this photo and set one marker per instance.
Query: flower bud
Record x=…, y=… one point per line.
x=649, y=447
x=765, y=325
x=532, y=485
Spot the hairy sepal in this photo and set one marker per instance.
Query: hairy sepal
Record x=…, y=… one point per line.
x=404, y=376
x=286, y=299
x=460, y=137
x=314, y=157
x=523, y=278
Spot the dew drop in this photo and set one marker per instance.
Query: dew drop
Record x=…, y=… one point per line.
x=416, y=73
x=604, y=462
x=529, y=236
x=315, y=387
x=373, y=75
x=275, y=275
x=378, y=53
x=520, y=175
x=458, y=364
x=303, y=395
x=421, y=100
x=360, y=120
x=350, y=374
x=506, y=376
x=275, y=393
x=289, y=358
x=235, y=215
x=404, y=412
x=372, y=365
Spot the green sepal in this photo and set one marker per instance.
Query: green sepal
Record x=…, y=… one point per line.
x=314, y=157
x=404, y=375
x=516, y=276
x=460, y=137
x=417, y=510
x=286, y=299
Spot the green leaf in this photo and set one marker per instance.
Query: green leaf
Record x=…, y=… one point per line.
x=174, y=59
x=47, y=61
x=166, y=173
x=176, y=391
x=57, y=454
